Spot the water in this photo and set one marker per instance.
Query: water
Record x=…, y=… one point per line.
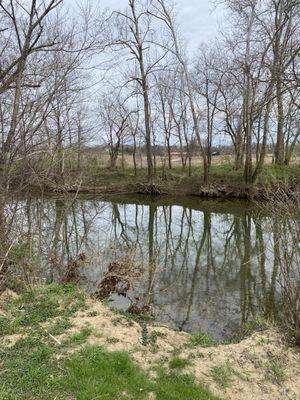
x=197, y=265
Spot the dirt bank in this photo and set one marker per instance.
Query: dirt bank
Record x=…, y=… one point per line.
x=260, y=367
x=176, y=188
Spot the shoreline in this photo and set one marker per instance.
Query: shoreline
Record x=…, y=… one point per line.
x=260, y=366
x=211, y=191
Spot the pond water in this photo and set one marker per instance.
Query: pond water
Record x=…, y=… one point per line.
x=198, y=265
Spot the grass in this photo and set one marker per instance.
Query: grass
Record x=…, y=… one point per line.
x=79, y=337
x=176, y=386
x=179, y=363
x=246, y=329
x=275, y=371
x=112, y=340
x=59, y=326
x=36, y=367
x=223, y=171
x=35, y=307
x=31, y=370
x=94, y=373
x=96, y=173
x=200, y=339
x=139, y=318
x=222, y=375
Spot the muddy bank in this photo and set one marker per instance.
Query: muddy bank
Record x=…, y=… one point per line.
x=212, y=191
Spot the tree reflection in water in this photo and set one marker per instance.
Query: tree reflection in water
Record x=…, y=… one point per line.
x=208, y=266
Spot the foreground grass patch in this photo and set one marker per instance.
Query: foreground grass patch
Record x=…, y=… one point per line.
x=33, y=370
x=38, y=367
x=37, y=306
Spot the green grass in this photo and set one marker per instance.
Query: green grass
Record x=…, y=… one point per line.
x=94, y=373
x=59, y=326
x=6, y=327
x=139, y=318
x=200, y=339
x=275, y=371
x=27, y=371
x=222, y=375
x=246, y=329
x=31, y=370
x=112, y=340
x=36, y=367
x=78, y=337
x=35, y=307
x=179, y=363
x=273, y=174
x=177, y=386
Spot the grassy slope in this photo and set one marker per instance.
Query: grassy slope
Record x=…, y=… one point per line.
x=36, y=367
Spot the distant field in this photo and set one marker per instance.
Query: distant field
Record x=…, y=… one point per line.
x=103, y=159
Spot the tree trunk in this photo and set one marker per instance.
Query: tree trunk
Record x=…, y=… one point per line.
x=279, y=149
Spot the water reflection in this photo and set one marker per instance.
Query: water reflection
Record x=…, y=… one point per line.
x=207, y=266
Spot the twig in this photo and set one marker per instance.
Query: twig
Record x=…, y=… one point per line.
x=54, y=338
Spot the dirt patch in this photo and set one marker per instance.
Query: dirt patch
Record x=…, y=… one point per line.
x=6, y=297
x=260, y=367
x=10, y=340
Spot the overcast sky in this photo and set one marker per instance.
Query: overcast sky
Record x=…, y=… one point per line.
x=198, y=19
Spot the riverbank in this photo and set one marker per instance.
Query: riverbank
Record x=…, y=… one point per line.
x=225, y=183
x=58, y=343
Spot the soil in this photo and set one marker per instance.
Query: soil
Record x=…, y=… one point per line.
x=262, y=367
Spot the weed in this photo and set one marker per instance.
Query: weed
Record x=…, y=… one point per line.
x=7, y=327
x=59, y=326
x=177, y=351
x=78, y=337
x=275, y=372
x=179, y=363
x=112, y=340
x=145, y=334
x=264, y=341
x=222, y=375
x=133, y=317
x=248, y=328
x=199, y=354
x=154, y=335
x=116, y=321
x=200, y=339
x=92, y=314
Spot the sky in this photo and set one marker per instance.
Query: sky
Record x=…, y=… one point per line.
x=198, y=19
